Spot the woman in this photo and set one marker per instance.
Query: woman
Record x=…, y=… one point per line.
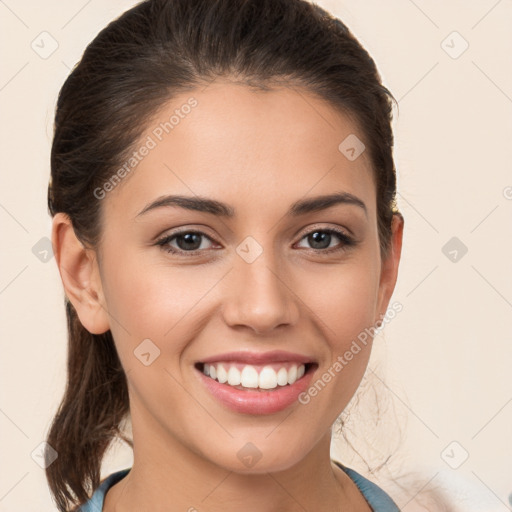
x=225, y=227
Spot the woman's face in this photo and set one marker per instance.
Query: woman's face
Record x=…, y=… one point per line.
x=265, y=286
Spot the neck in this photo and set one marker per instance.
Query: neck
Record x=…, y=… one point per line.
x=170, y=473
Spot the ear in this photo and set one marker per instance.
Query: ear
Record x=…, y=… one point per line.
x=79, y=272
x=389, y=270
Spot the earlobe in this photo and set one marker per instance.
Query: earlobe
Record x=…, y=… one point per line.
x=389, y=270
x=78, y=268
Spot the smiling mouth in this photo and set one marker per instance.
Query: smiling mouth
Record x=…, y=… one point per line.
x=256, y=377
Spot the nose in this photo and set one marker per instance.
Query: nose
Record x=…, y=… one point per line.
x=259, y=296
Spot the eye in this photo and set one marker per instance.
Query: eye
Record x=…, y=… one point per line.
x=321, y=240
x=192, y=241
x=186, y=241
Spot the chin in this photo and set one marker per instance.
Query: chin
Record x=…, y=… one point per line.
x=253, y=458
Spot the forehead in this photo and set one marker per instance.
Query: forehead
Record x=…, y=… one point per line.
x=251, y=148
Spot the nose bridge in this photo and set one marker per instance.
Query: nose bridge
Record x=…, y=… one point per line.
x=258, y=296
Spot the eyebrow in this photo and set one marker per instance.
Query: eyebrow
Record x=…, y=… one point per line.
x=220, y=209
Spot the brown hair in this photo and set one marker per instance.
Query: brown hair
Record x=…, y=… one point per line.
x=141, y=60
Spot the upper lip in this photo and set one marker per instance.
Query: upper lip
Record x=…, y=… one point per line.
x=274, y=356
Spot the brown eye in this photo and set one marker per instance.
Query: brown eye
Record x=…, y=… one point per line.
x=186, y=241
x=321, y=239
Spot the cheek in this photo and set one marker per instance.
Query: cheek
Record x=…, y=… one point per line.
x=343, y=305
x=162, y=304
x=155, y=301
x=342, y=299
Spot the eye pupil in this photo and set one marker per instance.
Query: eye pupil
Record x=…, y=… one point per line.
x=189, y=238
x=320, y=237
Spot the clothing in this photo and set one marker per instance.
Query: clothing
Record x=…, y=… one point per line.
x=378, y=500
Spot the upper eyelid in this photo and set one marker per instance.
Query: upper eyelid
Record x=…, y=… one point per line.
x=184, y=232
x=306, y=231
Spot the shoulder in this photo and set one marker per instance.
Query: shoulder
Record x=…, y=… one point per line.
x=95, y=503
x=377, y=498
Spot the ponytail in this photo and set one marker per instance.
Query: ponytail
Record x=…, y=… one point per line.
x=88, y=419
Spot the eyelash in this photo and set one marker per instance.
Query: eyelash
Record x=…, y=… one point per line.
x=347, y=241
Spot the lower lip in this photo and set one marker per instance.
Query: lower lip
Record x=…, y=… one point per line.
x=257, y=402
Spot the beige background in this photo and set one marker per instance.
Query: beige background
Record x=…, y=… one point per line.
x=445, y=359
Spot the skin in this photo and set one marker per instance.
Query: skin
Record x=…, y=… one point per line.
x=259, y=152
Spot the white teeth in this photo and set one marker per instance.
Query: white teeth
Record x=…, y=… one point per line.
x=292, y=374
x=222, y=374
x=249, y=377
x=233, y=376
x=267, y=378
x=282, y=377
